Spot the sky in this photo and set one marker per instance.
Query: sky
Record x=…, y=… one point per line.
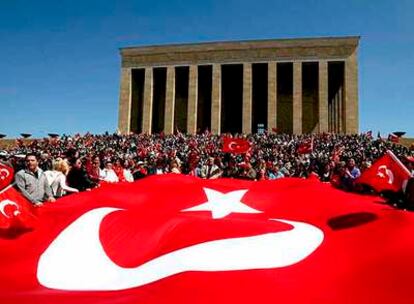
x=60, y=62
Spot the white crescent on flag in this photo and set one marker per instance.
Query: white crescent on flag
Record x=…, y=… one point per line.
x=4, y=173
x=232, y=145
x=76, y=260
x=384, y=172
x=5, y=203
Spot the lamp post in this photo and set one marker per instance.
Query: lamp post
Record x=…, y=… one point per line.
x=25, y=135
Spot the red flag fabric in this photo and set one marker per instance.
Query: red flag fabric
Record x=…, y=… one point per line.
x=306, y=147
x=393, y=138
x=15, y=210
x=6, y=175
x=180, y=239
x=235, y=145
x=387, y=173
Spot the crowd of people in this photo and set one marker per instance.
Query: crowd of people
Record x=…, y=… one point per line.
x=70, y=164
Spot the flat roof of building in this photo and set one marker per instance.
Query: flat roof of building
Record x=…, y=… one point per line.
x=350, y=41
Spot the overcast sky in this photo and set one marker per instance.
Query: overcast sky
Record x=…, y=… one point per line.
x=60, y=64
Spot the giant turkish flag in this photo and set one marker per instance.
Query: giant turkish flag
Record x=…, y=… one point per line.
x=179, y=239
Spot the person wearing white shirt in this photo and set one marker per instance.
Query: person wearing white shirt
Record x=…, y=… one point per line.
x=127, y=172
x=94, y=171
x=57, y=179
x=109, y=173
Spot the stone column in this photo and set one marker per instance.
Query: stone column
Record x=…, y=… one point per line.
x=340, y=111
x=329, y=116
x=350, y=104
x=297, y=97
x=216, y=100
x=247, y=98
x=169, y=101
x=271, y=96
x=124, y=115
x=323, y=96
x=335, y=113
x=148, y=98
x=192, y=99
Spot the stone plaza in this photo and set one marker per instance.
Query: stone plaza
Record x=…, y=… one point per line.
x=290, y=86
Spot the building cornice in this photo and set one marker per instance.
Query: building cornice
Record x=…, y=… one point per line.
x=330, y=48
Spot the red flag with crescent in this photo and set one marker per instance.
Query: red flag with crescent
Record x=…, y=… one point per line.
x=235, y=145
x=6, y=175
x=387, y=173
x=181, y=239
x=15, y=211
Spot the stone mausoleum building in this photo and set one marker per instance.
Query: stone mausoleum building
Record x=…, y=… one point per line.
x=292, y=85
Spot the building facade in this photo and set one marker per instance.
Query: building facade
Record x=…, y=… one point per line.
x=290, y=85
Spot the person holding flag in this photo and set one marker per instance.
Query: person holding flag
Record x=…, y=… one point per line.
x=408, y=185
x=410, y=164
x=409, y=193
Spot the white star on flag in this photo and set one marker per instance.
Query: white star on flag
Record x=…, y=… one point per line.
x=222, y=204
